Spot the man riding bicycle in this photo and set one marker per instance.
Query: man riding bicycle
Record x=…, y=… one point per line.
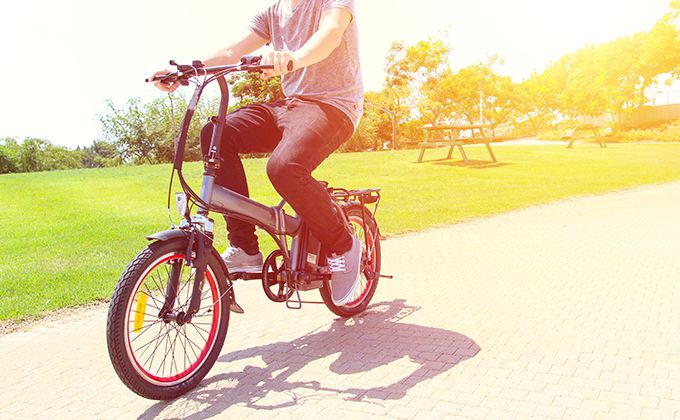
x=315, y=50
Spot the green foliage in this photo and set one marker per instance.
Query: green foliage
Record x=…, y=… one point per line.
x=416, y=64
x=146, y=132
x=9, y=155
x=249, y=88
x=365, y=137
x=604, y=79
x=666, y=133
x=35, y=155
x=100, y=155
x=533, y=104
x=612, y=77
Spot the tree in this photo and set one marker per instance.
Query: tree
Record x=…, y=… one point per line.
x=101, y=154
x=9, y=152
x=389, y=110
x=534, y=103
x=30, y=155
x=409, y=69
x=474, y=94
x=366, y=135
x=249, y=88
x=146, y=133
x=660, y=50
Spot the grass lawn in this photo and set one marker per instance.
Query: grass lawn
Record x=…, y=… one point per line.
x=68, y=235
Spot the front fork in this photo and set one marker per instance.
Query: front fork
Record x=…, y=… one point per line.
x=200, y=241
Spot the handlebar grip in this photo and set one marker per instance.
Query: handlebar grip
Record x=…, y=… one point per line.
x=254, y=60
x=157, y=78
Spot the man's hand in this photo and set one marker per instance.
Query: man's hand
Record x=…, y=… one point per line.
x=280, y=60
x=165, y=87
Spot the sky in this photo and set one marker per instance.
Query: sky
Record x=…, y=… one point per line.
x=61, y=60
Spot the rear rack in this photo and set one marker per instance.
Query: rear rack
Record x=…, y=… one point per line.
x=365, y=196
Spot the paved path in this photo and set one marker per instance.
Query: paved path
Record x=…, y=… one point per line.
x=569, y=310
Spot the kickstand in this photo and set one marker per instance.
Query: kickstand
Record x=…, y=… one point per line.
x=294, y=304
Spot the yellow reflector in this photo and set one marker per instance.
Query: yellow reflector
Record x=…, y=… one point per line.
x=141, y=310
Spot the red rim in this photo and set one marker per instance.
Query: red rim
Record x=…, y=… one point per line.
x=166, y=344
x=364, y=281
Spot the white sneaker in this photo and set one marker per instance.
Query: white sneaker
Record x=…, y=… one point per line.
x=238, y=261
x=345, y=273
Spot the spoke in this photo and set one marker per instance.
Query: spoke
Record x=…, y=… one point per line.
x=190, y=341
x=174, y=361
x=219, y=298
x=184, y=285
x=143, y=330
x=198, y=331
x=158, y=338
x=144, y=313
x=153, y=353
x=149, y=294
x=159, y=283
x=184, y=346
x=165, y=354
x=188, y=301
x=204, y=330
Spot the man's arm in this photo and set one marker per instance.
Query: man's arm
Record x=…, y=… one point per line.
x=245, y=44
x=325, y=40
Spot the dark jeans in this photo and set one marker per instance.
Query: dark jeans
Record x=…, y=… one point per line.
x=300, y=134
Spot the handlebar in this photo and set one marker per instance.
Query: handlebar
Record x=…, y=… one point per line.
x=197, y=68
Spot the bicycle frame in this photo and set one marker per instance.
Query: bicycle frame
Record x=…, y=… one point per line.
x=213, y=197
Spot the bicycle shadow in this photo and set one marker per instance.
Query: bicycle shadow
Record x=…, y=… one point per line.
x=376, y=339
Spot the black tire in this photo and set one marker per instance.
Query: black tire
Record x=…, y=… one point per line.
x=136, y=302
x=367, y=287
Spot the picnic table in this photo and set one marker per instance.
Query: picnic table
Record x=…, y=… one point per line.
x=571, y=134
x=450, y=135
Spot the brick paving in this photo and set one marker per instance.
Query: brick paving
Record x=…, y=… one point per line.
x=567, y=310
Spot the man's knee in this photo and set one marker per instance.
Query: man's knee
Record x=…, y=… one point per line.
x=284, y=174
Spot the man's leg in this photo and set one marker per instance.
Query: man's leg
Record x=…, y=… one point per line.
x=251, y=129
x=310, y=133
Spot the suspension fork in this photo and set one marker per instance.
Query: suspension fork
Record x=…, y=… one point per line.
x=172, y=288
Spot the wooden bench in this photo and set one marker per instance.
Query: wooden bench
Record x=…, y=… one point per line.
x=455, y=140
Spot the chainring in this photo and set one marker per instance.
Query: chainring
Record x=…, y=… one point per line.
x=274, y=275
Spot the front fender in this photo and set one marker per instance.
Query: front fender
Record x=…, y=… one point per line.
x=166, y=235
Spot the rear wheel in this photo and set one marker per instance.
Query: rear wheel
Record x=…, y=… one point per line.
x=370, y=265
x=162, y=356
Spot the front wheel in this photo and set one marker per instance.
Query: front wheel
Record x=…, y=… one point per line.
x=155, y=351
x=370, y=266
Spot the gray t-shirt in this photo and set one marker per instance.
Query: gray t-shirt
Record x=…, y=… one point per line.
x=337, y=79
